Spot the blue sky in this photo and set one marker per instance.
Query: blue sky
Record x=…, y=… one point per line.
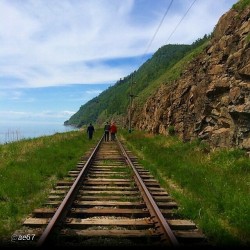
x=55, y=55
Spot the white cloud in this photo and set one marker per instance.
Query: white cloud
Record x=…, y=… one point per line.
x=51, y=42
x=93, y=92
x=12, y=113
x=43, y=115
x=67, y=113
x=16, y=95
x=199, y=20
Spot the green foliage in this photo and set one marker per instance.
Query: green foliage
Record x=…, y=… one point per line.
x=171, y=130
x=115, y=99
x=248, y=37
x=171, y=74
x=241, y=5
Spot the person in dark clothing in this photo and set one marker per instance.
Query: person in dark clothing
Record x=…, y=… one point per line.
x=106, y=131
x=90, y=131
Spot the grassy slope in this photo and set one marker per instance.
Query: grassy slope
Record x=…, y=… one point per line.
x=30, y=168
x=115, y=99
x=168, y=76
x=211, y=188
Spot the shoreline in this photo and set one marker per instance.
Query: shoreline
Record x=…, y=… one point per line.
x=23, y=131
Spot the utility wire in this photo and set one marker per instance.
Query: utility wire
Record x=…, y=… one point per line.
x=180, y=21
x=146, y=51
x=158, y=27
x=162, y=22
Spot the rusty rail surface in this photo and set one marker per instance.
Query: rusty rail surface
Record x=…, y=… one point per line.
x=67, y=201
x=167, y=233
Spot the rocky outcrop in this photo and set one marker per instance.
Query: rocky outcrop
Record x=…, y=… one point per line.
x=211, y=100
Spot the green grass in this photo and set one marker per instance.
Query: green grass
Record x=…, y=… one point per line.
x=30, y=168
x=241, y=5
x=248, y=37
x=169, y=76
x=211, y=188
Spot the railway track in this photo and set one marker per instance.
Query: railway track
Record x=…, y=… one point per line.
x=109, y=199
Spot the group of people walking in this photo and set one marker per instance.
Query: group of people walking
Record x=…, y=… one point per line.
x=108, y=130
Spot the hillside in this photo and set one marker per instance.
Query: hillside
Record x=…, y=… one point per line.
x=195, y=91
x=210, y=100
x=114, y=101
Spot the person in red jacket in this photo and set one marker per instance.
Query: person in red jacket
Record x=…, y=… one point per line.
x=113, y=131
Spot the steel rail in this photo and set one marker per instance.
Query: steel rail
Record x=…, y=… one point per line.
x=150, y=203
x=67, y=201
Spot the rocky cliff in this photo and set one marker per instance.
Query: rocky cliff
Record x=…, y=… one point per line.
x=211, y=100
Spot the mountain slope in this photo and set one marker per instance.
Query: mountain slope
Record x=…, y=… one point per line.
x=210, y=100
x=115, y=100
x=200, y=91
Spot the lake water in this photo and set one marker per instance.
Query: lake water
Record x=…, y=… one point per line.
x=23, y=130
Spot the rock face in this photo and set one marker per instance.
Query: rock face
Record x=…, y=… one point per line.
x=211, y=100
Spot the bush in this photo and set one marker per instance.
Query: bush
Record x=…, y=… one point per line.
x=171, y=130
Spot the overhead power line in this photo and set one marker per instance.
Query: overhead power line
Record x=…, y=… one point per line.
x=158, y=27
x=151, y=41
x=180, y=21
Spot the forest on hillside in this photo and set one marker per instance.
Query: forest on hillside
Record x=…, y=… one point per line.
x=114, y=101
